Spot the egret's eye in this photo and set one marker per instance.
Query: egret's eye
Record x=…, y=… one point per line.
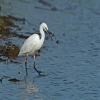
x=45, y=29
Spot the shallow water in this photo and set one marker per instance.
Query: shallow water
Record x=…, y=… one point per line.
x=72, y=67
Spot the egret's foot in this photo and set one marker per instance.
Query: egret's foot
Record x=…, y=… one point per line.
x=41, y=73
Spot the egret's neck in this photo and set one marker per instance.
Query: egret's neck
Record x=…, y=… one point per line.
x=42, y=34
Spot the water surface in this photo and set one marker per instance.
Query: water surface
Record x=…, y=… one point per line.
x=72, y=66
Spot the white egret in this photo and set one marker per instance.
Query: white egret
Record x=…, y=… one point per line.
x=33, y=43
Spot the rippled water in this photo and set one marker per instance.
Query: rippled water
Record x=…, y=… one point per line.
x=72, y=66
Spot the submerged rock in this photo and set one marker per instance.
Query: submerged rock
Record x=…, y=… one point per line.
x=7, y=24
x=14, y=80
x=45, y=2
x=10, y=51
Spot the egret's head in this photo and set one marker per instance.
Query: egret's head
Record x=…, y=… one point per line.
x=45, y=27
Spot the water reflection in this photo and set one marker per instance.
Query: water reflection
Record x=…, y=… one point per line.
x=26, y=88
x=31, y=88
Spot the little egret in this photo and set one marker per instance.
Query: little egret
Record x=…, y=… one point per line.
x=33, y=43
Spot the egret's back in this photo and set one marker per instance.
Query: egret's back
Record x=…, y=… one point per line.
x=30, y=45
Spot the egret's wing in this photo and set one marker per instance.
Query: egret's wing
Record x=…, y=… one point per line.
x=29, y=44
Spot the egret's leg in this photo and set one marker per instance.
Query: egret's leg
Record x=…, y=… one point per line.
x=26, y=64
x=39, y=72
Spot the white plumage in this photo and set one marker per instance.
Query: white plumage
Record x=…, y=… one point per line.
x=33, y=44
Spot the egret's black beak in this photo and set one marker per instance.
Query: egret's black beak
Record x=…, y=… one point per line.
x=50, y=34
x=45, y=30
